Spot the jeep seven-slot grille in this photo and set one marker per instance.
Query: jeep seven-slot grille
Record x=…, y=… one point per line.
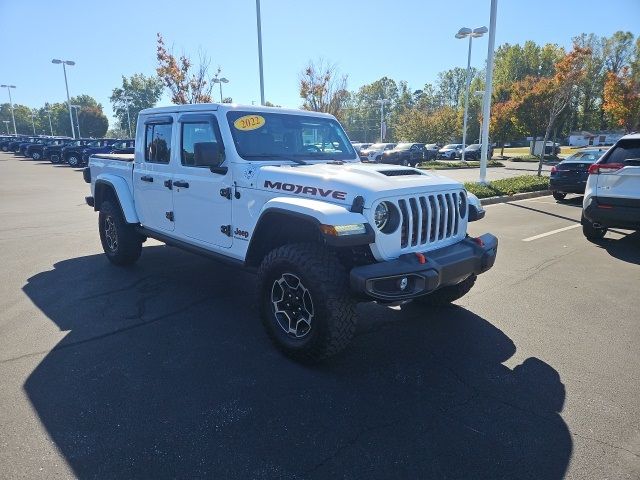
x=430, y=218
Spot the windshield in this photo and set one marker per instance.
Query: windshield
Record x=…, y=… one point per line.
x=587, y=156
x=450, y=147
x=95, y=143
x=403, y=146
x=273, y=136
x=474, y=146
x=377, y=146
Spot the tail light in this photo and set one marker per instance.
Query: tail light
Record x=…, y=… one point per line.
x=554, y=169
x=597, y=167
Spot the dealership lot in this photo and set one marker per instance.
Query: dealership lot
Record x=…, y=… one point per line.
x=163, y=370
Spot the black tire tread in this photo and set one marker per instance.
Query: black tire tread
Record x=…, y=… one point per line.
x=129, y=241
x=327, y=276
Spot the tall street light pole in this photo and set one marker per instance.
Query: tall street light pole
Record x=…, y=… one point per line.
x=382, y=101
x=126, y=99
x=13, y=118
x=220, y=81
x=464, y=33
x=33, y=122
x=77, y=109
x=486, y=105
x=260, y=52
x=47, y=108
x=66, y=84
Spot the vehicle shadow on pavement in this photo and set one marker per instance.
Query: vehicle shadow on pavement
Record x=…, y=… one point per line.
x=166, y=372
x=626, y=248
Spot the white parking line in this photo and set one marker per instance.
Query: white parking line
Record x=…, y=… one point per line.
x=552, y=232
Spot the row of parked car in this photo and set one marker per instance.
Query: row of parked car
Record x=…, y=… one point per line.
x=74, y=152
x=412, y=154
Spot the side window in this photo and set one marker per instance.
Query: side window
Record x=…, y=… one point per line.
x=158, y=143
x=193, y=133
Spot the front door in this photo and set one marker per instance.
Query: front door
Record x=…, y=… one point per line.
x=201, y=200
x=152, y=178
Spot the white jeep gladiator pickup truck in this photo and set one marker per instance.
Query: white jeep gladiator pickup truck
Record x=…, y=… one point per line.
x=282, y=192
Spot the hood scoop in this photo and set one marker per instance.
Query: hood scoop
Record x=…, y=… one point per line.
x=399, y=173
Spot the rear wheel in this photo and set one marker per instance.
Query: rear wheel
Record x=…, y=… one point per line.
x=405, y=163
x=305, y=304
x=446, y=295
x=590, y=231
x=120, y=241
x=35, y=155
x=559, y=195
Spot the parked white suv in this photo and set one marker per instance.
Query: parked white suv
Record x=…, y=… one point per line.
x=612, y=195
x=282, y=192
x=375, y=151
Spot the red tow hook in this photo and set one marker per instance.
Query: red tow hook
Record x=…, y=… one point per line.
x=421, y=258
x=479, y=241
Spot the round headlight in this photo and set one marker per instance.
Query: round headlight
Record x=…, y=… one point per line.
x=381, y=215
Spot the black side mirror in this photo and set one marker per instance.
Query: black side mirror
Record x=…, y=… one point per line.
x=207, y=154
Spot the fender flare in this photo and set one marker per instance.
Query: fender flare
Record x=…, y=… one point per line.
x=311, y=212
x=123, y=195
x=322, y=213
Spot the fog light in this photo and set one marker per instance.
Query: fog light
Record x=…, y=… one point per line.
x=404, y=282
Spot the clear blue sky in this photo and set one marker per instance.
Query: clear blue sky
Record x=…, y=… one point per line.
x=405, y=39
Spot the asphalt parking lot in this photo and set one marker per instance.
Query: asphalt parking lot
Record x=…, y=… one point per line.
x=163, y=370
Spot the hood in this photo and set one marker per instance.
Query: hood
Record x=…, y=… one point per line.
x=341, y=183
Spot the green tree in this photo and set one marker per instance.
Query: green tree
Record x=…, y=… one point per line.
x=618, y=51
x=514, y=63
x=451, y=85
x=144, y=92
x=93, y=123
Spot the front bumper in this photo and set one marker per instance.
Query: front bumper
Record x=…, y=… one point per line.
x=446, y=266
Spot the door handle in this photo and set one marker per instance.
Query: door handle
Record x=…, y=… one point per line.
x=168, y=184
x=146, y=178
x=181, y=184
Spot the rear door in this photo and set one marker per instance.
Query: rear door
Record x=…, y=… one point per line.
x=202, y=199
x=622, y=178
x=152, y=175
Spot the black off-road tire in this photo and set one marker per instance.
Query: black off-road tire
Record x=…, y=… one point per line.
x=128, y=243
x=333, y=323
x=74, y=160
x=447, y=295
x=559, y=196
x=591, y=232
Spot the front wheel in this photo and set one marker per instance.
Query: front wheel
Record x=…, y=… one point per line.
x=73, y=161
x=447, y=295
x=305, y=304
x=405, y=163
x=590, y=231
x=559, y=195
x=120, y=241
x=35, y=155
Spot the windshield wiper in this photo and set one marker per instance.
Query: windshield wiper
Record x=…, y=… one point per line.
x=276, y=157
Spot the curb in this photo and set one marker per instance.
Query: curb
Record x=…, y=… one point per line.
x=515, y=197
x=461, y=168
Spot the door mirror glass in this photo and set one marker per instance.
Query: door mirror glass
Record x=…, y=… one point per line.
x=207, y=154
